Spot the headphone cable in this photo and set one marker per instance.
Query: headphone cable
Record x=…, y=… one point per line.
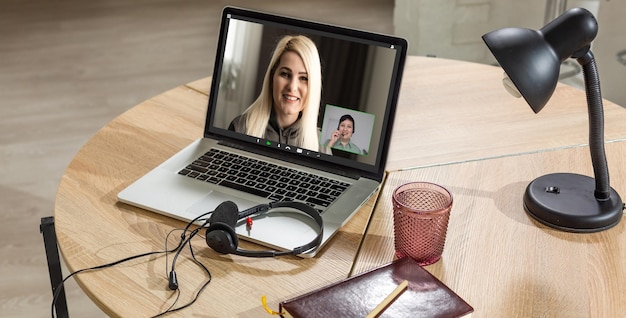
x=61, y=285
x=195, y=260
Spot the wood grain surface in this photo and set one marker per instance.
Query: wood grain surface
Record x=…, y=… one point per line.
x=503, y=262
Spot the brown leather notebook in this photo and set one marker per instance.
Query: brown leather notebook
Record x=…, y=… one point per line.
x=357, y=296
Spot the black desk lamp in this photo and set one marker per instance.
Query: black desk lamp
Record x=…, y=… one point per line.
x=532, y=60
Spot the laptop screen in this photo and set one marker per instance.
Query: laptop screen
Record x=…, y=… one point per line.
x=305, y=91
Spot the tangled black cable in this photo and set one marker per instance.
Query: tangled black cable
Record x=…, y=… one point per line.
x=61, y=285
x=195, y=260
x=179, y=247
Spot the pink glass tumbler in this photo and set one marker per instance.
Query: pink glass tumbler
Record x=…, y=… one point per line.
x=421, y=211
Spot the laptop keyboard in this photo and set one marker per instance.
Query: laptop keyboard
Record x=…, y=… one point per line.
x=264, y=179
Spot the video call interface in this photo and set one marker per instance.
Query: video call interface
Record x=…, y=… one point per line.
x=356, y=87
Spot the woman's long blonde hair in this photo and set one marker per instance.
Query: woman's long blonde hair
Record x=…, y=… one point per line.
x=258, y=114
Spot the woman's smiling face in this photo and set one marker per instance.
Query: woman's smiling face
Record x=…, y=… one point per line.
x=290, y=85
x=346, y=127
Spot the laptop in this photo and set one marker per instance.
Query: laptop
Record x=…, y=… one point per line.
x=360, y=77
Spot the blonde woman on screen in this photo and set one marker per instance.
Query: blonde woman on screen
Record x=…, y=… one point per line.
x=286, y=110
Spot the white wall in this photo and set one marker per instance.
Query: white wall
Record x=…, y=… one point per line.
x=611, y=40
x=453, y=29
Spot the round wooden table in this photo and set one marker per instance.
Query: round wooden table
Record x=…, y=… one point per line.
x=448, y=111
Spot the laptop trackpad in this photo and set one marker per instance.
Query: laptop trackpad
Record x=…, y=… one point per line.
x=214, y=198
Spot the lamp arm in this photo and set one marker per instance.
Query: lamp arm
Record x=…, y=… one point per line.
x=596, y=125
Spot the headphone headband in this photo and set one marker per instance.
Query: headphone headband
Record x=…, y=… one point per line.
x=222, y=238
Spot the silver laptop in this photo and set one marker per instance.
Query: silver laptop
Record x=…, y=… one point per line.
x=360, y=81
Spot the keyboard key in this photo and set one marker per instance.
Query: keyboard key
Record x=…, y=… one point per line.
x=246, y=189
x=197, y=168
x=318, y=202
x=276, y=197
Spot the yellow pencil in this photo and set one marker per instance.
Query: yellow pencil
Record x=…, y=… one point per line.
x=388, y=300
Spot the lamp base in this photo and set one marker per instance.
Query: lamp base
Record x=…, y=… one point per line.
x=566, y=201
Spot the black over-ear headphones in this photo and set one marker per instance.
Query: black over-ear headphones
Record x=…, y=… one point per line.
x=221, y=236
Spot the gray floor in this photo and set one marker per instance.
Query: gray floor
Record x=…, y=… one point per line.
x=67, y=68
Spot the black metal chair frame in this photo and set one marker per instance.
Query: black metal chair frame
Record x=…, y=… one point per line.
x=54, y=264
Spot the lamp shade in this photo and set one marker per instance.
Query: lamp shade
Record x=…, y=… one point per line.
x=532, y=58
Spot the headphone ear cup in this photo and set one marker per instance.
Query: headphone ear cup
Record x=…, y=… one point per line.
x=222, y=238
